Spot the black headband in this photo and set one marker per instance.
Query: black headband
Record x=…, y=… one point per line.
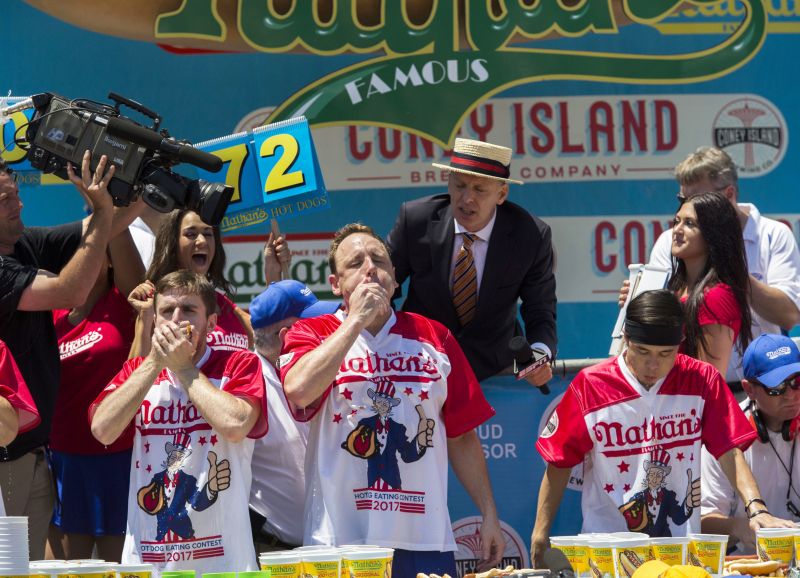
x=653, y=334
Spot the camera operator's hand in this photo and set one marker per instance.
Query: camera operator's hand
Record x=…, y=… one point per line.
x=94, y=187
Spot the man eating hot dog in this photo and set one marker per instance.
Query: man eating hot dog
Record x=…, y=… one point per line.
x=391, y=399
x=638, y=423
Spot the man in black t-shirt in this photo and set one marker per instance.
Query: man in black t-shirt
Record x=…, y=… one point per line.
x=45, y=268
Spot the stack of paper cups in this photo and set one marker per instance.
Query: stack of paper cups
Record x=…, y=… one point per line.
x=14, y=554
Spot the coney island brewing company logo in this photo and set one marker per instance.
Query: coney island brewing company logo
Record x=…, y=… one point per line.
x=753, y=132
x=424, y=61
x=467, y=533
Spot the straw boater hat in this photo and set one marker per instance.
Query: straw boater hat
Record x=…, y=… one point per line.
x=473, y=157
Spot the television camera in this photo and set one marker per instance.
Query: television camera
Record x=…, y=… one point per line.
x=61, y=130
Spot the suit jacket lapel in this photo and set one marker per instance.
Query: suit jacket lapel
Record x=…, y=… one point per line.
x=498, y=256
x=440, y=232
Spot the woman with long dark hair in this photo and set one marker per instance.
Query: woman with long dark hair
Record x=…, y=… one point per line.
x=184, y=241
x=710, y=277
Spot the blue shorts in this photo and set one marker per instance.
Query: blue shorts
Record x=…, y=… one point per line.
x=408, y=563
x=91, y=492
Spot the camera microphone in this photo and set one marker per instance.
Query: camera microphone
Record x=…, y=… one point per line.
x=556, y=561
x=156, y=141
x=6, y=111
x=526, y=359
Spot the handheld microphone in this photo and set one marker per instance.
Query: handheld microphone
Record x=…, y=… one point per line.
x=558, y=564
x=156, y=141
x=527, y=359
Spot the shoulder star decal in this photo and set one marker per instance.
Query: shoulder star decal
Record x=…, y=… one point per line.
x=423, y=395
x=623, y=466
x=609, y=488
x=202, y=441
x=148, y=468
x=213, y=439
x=626, y=487
x=408, y=391
x=337, y=417
x=680, y=456
x=348, y=395
x=147, y=447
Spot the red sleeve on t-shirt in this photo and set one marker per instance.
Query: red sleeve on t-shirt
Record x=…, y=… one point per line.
x=724, y=424
x=14, y=389
x=465, y=407
x=565, y=440
x=127, y=369
x=720, y=308
x=245, y=379
x=302, y=338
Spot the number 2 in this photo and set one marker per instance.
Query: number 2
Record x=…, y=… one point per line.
x=278, y=179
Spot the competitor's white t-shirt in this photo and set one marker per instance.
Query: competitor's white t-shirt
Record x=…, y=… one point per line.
x=279, y=488
x=770, y=475
x=175, y=521
x=641, y=449
x=772, y=258
x=368, y=479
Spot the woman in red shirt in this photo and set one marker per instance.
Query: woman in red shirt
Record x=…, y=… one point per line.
x=184, y=241
x=92, y=479
x=710, y=277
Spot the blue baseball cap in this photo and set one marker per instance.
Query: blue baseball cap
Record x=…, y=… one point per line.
x=287, y=298
x=770, y=359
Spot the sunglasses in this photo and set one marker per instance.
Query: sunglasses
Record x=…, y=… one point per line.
x=783, y=387
x=683, y=198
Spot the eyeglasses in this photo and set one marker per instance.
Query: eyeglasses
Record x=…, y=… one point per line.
x=783, y=387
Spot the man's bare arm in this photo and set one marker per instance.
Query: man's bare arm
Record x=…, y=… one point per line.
x=116, y=411
x=71, y=287
x=551, y=492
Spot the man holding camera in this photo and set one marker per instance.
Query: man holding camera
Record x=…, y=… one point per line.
x=45, y=268
x=771, y=366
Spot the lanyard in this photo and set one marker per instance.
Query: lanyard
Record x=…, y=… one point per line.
x=789, y=504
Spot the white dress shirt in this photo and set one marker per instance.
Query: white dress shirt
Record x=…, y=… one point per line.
x=479, y=249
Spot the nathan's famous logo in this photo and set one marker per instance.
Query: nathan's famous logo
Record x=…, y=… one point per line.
x=467, y=534
x=439, y=62
x=614, y=434
x=398, y=362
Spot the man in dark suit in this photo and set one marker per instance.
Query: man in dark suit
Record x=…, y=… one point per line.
x=471, y=255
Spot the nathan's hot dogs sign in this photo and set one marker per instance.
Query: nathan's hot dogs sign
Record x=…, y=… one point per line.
x=440, y=58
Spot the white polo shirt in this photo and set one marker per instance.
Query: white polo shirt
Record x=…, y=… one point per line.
x=278, y=491
x=769, y=462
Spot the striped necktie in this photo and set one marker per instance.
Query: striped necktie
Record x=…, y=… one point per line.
x=465, y=281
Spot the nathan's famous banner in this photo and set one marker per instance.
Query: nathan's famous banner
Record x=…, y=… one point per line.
x=598, y=100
